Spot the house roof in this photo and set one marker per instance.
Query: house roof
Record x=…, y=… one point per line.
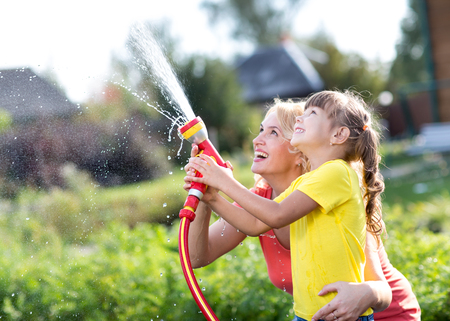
x=279, y=71
x=27, y=96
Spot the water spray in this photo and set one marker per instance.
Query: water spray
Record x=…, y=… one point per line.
x=195, y=132
x=153, y=61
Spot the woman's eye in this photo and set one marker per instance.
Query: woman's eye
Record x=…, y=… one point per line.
x=261, y=129
x=274, y=133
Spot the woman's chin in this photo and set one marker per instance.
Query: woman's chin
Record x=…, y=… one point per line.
x=256, y=168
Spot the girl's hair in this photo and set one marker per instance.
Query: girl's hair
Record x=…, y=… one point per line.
x=286, y=111
x=349, y=110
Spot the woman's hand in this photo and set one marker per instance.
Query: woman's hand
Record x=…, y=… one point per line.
x=351, y=301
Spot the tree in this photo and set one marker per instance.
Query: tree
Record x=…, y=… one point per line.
x=259, y=22
x=210, y=85
x=216, y=96
x=409, y=64
x=344, y=71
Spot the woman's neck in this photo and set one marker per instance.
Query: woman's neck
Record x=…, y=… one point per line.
x=280, y=183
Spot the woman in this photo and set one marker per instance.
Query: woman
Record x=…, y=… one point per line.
x=278, y=165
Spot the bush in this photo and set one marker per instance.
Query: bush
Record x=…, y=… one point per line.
x=424, y=258
x=85, y=207
x=418, y=245
x=129, y=275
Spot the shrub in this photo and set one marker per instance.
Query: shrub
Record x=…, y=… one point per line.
x=129, y=275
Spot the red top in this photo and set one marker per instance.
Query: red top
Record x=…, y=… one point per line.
x=404, y=305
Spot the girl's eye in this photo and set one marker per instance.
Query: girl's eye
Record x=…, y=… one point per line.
x=274, y=133
x=261, y=129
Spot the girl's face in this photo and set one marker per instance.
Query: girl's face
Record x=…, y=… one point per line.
x=272, y=155
x=312, y=129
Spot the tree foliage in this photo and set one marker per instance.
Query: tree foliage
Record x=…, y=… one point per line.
x=210, y=84
x=409, y=64
x=260, y=22
x=343, y=71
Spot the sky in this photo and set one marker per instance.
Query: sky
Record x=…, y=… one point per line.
x=75, y=41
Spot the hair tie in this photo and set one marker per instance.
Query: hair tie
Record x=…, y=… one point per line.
x=365, y=127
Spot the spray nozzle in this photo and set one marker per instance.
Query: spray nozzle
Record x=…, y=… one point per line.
x=194, y=131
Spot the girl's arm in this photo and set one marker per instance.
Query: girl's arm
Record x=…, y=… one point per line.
x=207, y=243
x=234, y=215
x=353, y=299
x=275, y=215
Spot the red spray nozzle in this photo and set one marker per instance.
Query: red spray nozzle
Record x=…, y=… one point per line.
x=195, y=132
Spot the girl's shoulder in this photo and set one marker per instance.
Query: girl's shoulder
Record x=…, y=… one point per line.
x=335, y=167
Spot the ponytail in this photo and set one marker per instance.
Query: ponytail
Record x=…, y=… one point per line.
x=372, y=181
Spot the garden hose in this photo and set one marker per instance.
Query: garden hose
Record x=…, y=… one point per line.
x=195, y=132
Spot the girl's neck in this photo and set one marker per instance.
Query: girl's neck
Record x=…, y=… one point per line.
x=331, y=153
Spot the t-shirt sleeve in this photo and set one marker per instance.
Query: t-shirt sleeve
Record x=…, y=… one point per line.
x=329, y=185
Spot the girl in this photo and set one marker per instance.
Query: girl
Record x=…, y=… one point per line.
x=324, y=205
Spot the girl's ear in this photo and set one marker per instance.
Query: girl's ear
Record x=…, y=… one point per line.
x=340, y=136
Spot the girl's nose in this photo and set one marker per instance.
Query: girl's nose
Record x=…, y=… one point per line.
x=299, y=119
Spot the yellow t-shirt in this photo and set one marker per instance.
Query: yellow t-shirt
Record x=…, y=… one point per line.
x=327, y=245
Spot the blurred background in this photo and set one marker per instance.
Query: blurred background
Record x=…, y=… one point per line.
x=91, y=174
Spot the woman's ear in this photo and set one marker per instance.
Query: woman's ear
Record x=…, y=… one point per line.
x=340, y=136
x=301, y=161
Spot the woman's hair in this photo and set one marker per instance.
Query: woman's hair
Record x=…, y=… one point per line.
x=349, y=110
x=286, y=111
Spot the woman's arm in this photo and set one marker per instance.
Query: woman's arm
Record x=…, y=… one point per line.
x=353, y=299
x=207, y=243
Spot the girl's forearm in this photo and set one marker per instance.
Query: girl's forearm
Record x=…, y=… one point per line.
x=262, y=209
x=238, y=217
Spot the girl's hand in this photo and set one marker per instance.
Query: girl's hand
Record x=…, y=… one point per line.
x=211, y=192
x=213, y=175
x=347, y=305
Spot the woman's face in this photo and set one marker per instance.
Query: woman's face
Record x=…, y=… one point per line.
x=272, y=155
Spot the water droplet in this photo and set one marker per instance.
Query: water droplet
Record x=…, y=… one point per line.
x=27, y=218
x=203, y=289
x=169, y=158
x=170, y=173
x=160, y=274
x=165, y=204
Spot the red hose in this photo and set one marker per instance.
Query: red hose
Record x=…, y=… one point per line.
x=189, y=273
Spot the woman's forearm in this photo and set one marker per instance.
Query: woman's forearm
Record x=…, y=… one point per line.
x=379, y=296
x=198, y=236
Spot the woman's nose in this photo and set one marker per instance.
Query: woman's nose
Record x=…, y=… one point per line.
x=258, y=139
x=299, y=119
